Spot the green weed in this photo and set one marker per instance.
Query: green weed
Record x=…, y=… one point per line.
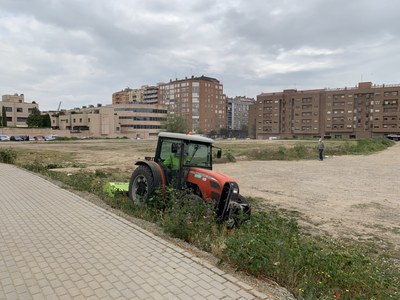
x=311, y=268
x=8, y=156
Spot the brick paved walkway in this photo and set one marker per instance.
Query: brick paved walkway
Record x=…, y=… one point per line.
x=56, y=245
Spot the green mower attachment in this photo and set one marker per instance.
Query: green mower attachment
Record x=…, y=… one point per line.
x=113, y=188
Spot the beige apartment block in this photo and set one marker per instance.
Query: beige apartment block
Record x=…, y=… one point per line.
x=117, y=120
x=146, y=94
x=128, y=95
x=199, y=100
x=363, y=111
x=17, y=110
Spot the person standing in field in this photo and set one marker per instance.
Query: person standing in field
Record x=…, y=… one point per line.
x=321, y=148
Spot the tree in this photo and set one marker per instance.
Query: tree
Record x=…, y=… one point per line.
x=35, y=118
x=176, y=124
x=224, y=132
x=212, y=133
x=3, y=117
x=46, y=121
x=244, y=131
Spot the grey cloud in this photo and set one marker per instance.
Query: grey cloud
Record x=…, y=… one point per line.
x=82, y=52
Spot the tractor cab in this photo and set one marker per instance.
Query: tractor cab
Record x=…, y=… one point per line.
x=177, y=153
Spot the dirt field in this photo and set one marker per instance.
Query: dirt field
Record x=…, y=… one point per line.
x=348, y=196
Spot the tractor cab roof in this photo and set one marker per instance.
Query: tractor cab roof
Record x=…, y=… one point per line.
x=186, y=137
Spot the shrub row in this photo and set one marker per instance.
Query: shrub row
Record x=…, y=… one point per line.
x=309, y=151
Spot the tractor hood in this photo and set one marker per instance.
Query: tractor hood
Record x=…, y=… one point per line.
x=205, y=174
x=211, y=184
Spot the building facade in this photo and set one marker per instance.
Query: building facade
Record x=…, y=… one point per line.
x=199, y=100
x=363, y=111
x=132, y=120
x=237, y=112
x=17, y=110
x=146, y=94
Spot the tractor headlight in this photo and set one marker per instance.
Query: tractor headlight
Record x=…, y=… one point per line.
x=235, y=191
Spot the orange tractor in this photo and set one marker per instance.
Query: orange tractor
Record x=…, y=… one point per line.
x=185, y=162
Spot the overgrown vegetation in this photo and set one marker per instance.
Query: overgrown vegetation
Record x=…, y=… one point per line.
x=268, y=245
x=7, y=155
x=306, y=149
x=312, y=268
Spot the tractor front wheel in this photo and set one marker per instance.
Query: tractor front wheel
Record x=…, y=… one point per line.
x=141, y=185
x=239, y=212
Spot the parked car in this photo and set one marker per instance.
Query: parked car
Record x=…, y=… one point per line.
x=39, y=138
x=50, y=137
x=4, y=137
x=17, y=138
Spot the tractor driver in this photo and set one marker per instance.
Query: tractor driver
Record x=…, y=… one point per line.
x=172, y=161
x=172, y=164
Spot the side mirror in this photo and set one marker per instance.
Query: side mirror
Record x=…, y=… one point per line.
x=219, y=153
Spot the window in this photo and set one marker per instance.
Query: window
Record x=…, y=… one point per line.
x=20, y=110
x=8, y=109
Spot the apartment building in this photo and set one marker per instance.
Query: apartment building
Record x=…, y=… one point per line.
x=17, y=110
x=237, y=112
x=145, y=94
x=363, y=111
x=150, y=95
x=288, y=114
x=128, y=119
x=122, y=96
x=199, y=100
x=366, y=111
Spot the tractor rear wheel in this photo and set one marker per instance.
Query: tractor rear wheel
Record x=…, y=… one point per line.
x=141, y=185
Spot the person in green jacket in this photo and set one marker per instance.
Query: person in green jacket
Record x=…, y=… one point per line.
x=171, y=165
x=172, y=162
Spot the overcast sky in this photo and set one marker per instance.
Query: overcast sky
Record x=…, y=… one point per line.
x=80, y=52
